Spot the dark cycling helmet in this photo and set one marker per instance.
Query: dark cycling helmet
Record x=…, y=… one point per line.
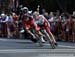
x=25, y=10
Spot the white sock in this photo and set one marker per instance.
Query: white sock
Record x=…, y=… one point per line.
x=42, y=39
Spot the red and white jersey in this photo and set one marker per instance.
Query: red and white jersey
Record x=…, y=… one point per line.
x=41, y=20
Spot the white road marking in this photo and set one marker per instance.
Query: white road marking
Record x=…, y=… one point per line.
x=15, y=40
x=67, y=46
x=63, y=46
x=54, y=51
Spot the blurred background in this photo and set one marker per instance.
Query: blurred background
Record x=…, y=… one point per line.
x=49, y=5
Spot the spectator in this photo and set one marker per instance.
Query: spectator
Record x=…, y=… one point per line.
x=52, y=22
x=69, y=28
x=73, y=14
x=15, y=23
x=46, y=15
x=4, y=24
x=10, y=26
x=74, y=32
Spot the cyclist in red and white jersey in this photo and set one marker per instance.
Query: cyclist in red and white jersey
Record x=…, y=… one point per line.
x=40, y=20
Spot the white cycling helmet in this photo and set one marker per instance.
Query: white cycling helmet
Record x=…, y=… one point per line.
x=35, y=13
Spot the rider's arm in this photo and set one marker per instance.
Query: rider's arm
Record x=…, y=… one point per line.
x=27, y=29
x=37, y=28
x=29, y=32
x=46, y=21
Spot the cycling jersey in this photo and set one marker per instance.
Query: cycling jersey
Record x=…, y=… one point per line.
x=41, y=22
x=31, y=24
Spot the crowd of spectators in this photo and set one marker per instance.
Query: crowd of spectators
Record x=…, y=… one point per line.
x=62, y=25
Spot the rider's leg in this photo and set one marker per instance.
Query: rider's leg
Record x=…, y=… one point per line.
x=41, y=36
x=52, y=36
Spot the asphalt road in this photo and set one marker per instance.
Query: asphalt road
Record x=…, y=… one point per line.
x=26, y=48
